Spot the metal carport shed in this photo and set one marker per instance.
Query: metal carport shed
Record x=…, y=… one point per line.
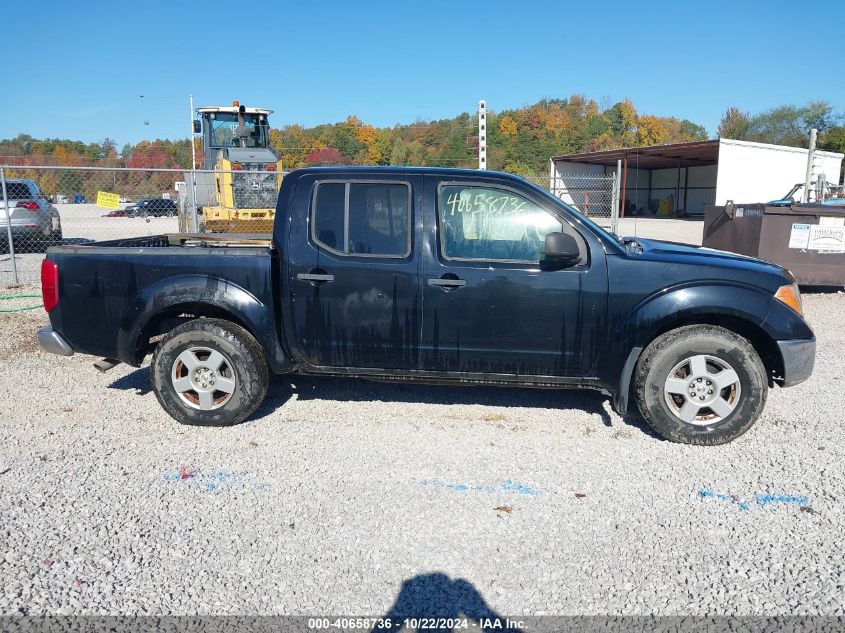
x=681, y=178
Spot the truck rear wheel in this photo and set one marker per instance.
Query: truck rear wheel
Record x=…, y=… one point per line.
x=700, y=384
x=209, y=372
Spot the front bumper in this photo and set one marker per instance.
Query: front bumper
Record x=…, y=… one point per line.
x=51, y=341
x=799, y=356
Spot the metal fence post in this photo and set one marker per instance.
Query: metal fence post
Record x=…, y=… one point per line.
x=614, y=204
x=614, y=212
x=191, y=223
x=15, y=281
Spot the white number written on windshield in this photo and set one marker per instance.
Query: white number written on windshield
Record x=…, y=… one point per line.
x=485, y=202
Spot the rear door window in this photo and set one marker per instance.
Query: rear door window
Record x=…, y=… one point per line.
x=369, y=219
x=328, y=222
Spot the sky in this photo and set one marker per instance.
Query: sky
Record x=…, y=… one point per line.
x=93, y=69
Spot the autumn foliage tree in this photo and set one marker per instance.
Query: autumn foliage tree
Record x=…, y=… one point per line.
x=651, y=131
x=326, y=156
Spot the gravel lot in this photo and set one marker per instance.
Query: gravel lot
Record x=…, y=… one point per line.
x=339, y=491
x=342, y=496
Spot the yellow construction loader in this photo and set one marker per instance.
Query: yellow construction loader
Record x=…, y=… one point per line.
x=240, y=196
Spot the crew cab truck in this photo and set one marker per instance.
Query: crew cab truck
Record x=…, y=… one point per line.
x=435, y=275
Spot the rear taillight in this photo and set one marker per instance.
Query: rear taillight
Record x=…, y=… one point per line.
x=237, y=167
x=49, y=284
x=29, y=205
x=270, y=166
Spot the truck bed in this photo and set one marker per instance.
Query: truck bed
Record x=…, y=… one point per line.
x=109, y=290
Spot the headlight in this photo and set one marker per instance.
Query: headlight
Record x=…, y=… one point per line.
x=791, y=296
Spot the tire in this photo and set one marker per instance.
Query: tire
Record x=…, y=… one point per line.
x=226, y=356
x=45, y=239
x=680, y=375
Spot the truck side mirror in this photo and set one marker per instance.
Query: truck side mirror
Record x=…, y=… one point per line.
x=561, y=251
x=197, y=127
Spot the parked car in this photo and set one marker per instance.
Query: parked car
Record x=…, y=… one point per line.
x=156, y=207
x=435, y=275
x=33, y=218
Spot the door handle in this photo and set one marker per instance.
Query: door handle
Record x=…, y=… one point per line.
x=447, y=283
x=315, y=277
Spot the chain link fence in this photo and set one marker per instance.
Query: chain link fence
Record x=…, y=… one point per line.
x=597, y=197
x=53, y=204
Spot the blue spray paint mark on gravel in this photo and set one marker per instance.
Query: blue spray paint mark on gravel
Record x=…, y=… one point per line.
x=511, y=486
x=508, y=486
x=217, y=481
x=722, y=497
x=763, y=500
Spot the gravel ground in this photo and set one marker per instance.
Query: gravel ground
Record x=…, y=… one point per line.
x=342, y=496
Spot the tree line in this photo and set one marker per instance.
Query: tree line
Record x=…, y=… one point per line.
x=787, y=125
x=519, y=140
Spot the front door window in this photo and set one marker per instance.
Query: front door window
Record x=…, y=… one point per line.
x=488, y=224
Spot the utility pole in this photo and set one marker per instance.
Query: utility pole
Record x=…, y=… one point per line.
x=482, y=134
x=810, y=156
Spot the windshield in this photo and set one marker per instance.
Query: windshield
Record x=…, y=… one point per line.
x=224, y=124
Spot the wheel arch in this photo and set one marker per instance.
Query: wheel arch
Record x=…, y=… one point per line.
x=165, y=320
x=738, y=309
x=162, y=306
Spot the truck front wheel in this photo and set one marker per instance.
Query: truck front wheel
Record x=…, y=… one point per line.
x=209, y=372
x=700, y=384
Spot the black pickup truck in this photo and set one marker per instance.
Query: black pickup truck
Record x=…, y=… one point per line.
x=435, y=275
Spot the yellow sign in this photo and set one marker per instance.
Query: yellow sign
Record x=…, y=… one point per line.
x=108, y=200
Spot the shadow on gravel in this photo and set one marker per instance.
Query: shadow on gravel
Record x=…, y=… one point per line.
x=138, y=381
x=438, y=596
x=339, y=389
